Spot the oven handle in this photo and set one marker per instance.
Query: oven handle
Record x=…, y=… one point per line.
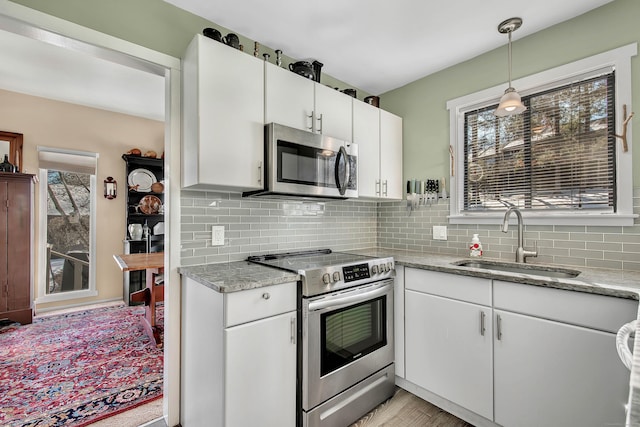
x=337, y=302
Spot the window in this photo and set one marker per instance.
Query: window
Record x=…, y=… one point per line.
x=559, y=161
x=67, y=224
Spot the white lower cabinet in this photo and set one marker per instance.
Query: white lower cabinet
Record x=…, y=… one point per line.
x=448, y=341
x=554, y=374
x=238, y=357
x=260, y=372
x=558, y=373
x=547, y=356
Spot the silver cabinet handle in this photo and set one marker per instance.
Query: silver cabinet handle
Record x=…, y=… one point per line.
x=482, y=328
x=377, y=187
x=384, y=185
x=293, y=330
x=266, y=295
x=499, y=326
x=259, y=172
x=320, y=120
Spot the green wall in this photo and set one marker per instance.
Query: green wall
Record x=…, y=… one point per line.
x=155, y=24
x=422, y=103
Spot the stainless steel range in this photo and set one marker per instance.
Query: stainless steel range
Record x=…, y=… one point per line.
x=346, y=345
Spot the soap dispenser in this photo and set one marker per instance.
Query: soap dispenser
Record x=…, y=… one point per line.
x=475, y=248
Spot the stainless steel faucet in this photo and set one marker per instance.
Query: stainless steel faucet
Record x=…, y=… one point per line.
x=521, y=252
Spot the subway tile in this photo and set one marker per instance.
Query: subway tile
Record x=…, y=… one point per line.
x=569, y=244
x=611, y=247
x=598, y=263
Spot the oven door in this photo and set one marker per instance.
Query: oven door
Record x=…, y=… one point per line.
x=348, y=336
x=307, y=164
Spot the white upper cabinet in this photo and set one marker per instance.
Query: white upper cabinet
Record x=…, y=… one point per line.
x=289, y=98
x=333, y=112
x=301, y=103
x=391, y=155
x=378, y=134
x=366, y=133
x=223, y=117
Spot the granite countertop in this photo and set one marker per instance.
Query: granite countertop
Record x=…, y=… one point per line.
x=622, y=284
x=237, y=276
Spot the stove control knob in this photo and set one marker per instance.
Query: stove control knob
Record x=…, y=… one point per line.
x=336, y=276
x=326, y=279
x=374, y=269
x=385, y=267
x=390, y=265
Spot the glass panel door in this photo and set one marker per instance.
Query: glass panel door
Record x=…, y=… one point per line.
x=69, y=205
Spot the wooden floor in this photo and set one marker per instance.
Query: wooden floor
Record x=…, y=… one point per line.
x=407, y=410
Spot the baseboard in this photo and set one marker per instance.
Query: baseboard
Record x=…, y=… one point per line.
x=447, y=405
x=114, y=301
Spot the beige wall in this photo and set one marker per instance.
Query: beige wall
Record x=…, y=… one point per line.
x=51, y=123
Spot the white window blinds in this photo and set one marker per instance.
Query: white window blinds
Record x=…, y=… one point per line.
x=67, y=160
x=558, y=155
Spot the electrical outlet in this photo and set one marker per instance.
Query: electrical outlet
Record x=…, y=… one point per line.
x=439, y=232
x=217, y=235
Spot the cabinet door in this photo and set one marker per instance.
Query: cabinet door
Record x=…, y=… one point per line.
x=223, y=117
x=18, y=231
x=4, y=246
x=289, y=98
x=366, y=133
x=448, y=352
x=336, y=110
x=549, y=373
x=260, y=382
x=391, y=155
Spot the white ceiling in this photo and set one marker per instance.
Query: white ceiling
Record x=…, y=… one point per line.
x=379, y=45
x=41, y=69
x=374, y=45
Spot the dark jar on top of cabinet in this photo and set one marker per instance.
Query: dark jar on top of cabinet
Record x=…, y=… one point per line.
x=5, y=166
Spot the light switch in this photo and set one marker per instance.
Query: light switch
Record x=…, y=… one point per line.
x=439, y=232
x=217, y=235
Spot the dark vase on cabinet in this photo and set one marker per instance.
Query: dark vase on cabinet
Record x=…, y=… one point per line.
x=16, y=224
x=145, y=211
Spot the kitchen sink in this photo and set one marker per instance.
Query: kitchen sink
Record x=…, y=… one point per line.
x=536, y=270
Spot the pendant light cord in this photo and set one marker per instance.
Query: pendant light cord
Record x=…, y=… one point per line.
x=509, y=58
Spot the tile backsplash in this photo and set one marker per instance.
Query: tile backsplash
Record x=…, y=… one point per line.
x=259, y=225
x=254, y=226
x=604, y=247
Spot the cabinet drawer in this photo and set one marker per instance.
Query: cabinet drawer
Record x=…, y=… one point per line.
x=246, y=306
x=578, y=308
x=463, y=288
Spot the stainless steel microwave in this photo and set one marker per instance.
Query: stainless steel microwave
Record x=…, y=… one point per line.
x=307, y=165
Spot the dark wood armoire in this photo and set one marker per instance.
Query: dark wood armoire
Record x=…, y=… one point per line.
x=16, y=224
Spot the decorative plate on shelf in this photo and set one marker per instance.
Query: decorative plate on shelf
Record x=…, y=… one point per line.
x=141, y=180
x=150, y=205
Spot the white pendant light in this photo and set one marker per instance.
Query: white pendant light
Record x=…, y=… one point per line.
x=510, y=103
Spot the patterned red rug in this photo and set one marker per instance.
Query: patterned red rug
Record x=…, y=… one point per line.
x=77, y=368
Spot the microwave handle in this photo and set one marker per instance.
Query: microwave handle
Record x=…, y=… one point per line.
x=342, y=185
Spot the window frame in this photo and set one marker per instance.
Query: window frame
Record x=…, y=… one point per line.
x=617, y=59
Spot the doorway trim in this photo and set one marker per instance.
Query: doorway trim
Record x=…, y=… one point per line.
x=34, y=24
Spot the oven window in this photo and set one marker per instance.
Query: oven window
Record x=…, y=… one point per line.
x=352, y=332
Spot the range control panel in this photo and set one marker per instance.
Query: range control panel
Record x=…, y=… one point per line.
x=355, y=272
